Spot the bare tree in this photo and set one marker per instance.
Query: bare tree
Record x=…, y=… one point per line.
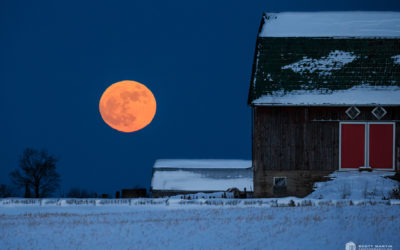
x=37, y=171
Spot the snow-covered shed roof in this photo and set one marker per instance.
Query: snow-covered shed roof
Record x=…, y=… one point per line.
x=202, y=175
x=332, y=24
x=203, y=163
x=327, y=58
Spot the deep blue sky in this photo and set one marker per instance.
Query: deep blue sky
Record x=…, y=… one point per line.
x=57, y=58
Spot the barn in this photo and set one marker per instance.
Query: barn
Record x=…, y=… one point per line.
x=187, y=176
x=325, y=96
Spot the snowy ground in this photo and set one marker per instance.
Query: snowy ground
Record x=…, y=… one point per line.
x=356, y=185
x=324, y=220
x=325, y=227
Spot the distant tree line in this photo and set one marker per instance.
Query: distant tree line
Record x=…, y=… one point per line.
x=36, y=175
x=80, y=193
x=6, y=191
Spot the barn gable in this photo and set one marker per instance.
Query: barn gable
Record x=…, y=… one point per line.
x=327, y=58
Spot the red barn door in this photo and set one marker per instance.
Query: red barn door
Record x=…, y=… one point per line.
x=352, y=145
x=366, y=144
x=381, y=141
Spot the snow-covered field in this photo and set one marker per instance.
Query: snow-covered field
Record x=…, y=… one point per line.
x=211, y=227
x=324, y=220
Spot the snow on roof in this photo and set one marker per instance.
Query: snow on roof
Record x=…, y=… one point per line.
x=331, y=24
x=357, y=95
x=396, y=59
x=203, y=163
x=325, y=65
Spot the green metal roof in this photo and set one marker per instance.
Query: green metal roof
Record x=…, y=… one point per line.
x=286, y=64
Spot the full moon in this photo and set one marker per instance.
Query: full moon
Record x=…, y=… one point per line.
x=127, y=106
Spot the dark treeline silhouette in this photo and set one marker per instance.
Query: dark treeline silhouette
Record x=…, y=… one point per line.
x=6, y=191
x=36, y=173
x=80, y=193
x=36, y=176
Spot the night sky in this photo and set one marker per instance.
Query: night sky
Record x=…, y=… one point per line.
x=57, y=58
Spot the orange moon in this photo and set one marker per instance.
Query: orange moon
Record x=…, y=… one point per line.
x=127, y=106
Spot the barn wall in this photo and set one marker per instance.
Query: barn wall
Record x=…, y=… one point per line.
x=293, y=141
x=299, y=182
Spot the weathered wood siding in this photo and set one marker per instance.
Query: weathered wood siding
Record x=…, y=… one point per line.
x=295, y=139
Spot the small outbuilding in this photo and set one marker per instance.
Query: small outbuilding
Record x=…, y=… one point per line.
x=179, y=176
x=325, y=96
